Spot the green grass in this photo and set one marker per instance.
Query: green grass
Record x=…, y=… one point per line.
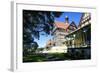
x=41, y=58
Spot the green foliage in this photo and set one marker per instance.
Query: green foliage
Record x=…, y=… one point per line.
x=35, y=23
x=45, y=57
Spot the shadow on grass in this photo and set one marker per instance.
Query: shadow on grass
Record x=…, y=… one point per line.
x=45, y=57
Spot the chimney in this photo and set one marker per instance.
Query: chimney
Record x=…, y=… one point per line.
x=66, y=19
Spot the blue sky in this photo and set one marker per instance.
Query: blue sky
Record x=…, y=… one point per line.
x=73, y=16
x=43, y=39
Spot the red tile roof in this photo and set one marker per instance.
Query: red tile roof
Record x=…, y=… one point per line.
x=61, y=25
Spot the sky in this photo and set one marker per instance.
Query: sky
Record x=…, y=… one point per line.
x=73, y=16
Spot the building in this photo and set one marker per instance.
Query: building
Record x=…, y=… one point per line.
x=81, y=37
x=59, y=33
x=61, y=29
x=50, y=44
x=85, y=20
x=71, y=27
x=79, y=40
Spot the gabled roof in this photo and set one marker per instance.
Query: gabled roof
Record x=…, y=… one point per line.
x=73, y=24
x=61, y=25
x=82, y=18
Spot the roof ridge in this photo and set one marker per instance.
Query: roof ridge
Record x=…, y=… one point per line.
x=62, y=25
x=59, y=21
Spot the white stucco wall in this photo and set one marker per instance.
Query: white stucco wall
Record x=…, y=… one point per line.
x=56, y=49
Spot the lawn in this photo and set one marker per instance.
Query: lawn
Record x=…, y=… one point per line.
x=41, y=57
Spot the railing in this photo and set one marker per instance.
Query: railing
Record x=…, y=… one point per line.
x=78, y=45
x=78, y=38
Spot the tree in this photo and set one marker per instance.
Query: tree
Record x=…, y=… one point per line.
x=36, y=23
x=35, y=46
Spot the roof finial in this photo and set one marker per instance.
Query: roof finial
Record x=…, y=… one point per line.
x=66, y=19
